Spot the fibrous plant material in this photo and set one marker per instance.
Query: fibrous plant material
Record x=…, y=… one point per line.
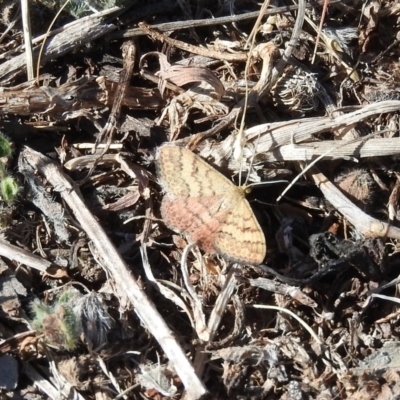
x=358, y=184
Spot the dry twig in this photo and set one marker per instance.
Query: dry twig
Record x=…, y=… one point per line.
x=368, y=226
x=120, y=272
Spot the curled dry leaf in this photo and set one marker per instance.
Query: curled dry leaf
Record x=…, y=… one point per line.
x=158, y=377
x=200, y=97
x=180, y=106
x=181, y=75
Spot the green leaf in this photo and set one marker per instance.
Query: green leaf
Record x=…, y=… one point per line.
x=8, y=189
x=5, y=147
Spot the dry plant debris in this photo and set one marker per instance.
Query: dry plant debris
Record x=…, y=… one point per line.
x=288, y=294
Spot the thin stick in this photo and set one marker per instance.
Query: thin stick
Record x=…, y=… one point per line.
x=240, y=138
x=44, y=40
x=119, y=271
x=26, y=23
x=292, y=314
x=324, y=9
x=177, y=25
x=22, y=256
x=128, y=55
x=276, y=72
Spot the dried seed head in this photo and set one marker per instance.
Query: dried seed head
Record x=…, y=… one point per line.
x=75, y=370
x=341, y=37
x=95, y=320
x=358, y=185
x=297, y=90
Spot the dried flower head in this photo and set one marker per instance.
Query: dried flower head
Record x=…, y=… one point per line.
x=358, y=185
x=95, y=320
x=297, y=90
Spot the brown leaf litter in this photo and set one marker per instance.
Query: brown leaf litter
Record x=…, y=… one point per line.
x=100, y=298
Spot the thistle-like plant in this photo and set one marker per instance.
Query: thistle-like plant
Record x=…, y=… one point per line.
x=72, y=317
x=58, y=322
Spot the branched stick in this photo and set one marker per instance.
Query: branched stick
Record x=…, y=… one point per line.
x=191, y=48
x=128, y=55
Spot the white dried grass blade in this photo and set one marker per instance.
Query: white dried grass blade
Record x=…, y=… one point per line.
x=164, y=290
